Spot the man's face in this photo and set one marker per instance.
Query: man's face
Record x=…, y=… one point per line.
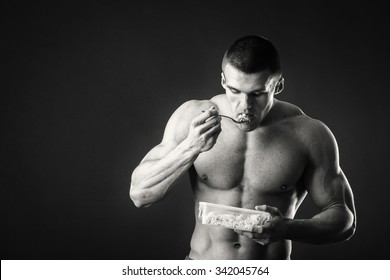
x=249, y=95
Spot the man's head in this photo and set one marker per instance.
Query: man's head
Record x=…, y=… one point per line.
x=252, y=54
x=251, y=76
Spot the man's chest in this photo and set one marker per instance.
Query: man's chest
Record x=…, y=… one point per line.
x=268, y=162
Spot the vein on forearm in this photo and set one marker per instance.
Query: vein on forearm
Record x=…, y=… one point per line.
x=158, y=175
x=169, y=170
x=327, y=226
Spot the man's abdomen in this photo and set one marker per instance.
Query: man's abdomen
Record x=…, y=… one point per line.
x=211, y=242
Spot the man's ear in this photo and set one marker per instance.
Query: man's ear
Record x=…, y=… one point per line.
x=279, y=87
x=223, y=80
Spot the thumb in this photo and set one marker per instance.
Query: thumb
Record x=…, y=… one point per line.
x=269, y=209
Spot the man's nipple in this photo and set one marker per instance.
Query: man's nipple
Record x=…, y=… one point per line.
x=204, y=177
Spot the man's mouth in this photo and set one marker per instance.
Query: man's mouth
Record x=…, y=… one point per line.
x=244, y=118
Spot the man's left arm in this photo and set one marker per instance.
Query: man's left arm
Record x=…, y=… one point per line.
x=337, y=219
x=327, y=186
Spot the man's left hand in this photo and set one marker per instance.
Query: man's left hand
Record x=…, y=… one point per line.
x=273, y=230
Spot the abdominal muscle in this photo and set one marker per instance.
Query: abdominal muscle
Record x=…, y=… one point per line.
x=214, y=242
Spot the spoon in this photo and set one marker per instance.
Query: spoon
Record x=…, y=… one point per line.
x=230, y=118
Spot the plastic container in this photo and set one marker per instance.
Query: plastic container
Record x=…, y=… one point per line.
x=231, y=217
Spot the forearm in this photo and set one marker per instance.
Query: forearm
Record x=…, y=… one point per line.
x=334, y=224
x=152, y=179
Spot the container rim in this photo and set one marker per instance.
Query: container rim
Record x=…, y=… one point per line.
x=227, y=207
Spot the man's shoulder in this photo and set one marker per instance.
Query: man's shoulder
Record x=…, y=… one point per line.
x=317, y=138
x=314, y=134
x=180, y=120
x=289, y=108
x=194, y=107
x=309, y=129
x=294, y=114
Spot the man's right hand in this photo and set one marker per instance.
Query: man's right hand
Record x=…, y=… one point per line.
x=204, y=131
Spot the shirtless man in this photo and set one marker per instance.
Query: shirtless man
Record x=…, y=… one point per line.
x=268, y=162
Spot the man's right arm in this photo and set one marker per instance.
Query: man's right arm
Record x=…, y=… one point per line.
x=187, y=134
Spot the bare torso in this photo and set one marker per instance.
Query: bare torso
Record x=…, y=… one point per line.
x=264, y=166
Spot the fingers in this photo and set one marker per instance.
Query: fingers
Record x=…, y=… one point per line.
x=208, y=132
x=205, y=129
x=273, y=229
x=210, y=127
x=209, y=124
x=251, y=234
x=245, y=233
x=212, y=112
x=207, y=121
x=272, y=210
x=254, y=235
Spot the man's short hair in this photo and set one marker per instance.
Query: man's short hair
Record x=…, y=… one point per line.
x=251, y=54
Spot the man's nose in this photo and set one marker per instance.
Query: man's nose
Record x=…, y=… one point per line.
x=246, y=101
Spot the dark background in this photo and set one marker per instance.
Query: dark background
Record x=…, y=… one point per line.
x=87, y=89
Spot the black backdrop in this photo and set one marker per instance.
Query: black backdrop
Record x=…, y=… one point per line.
x=87, y=89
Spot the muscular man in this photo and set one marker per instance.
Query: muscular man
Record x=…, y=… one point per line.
x=269, y=162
